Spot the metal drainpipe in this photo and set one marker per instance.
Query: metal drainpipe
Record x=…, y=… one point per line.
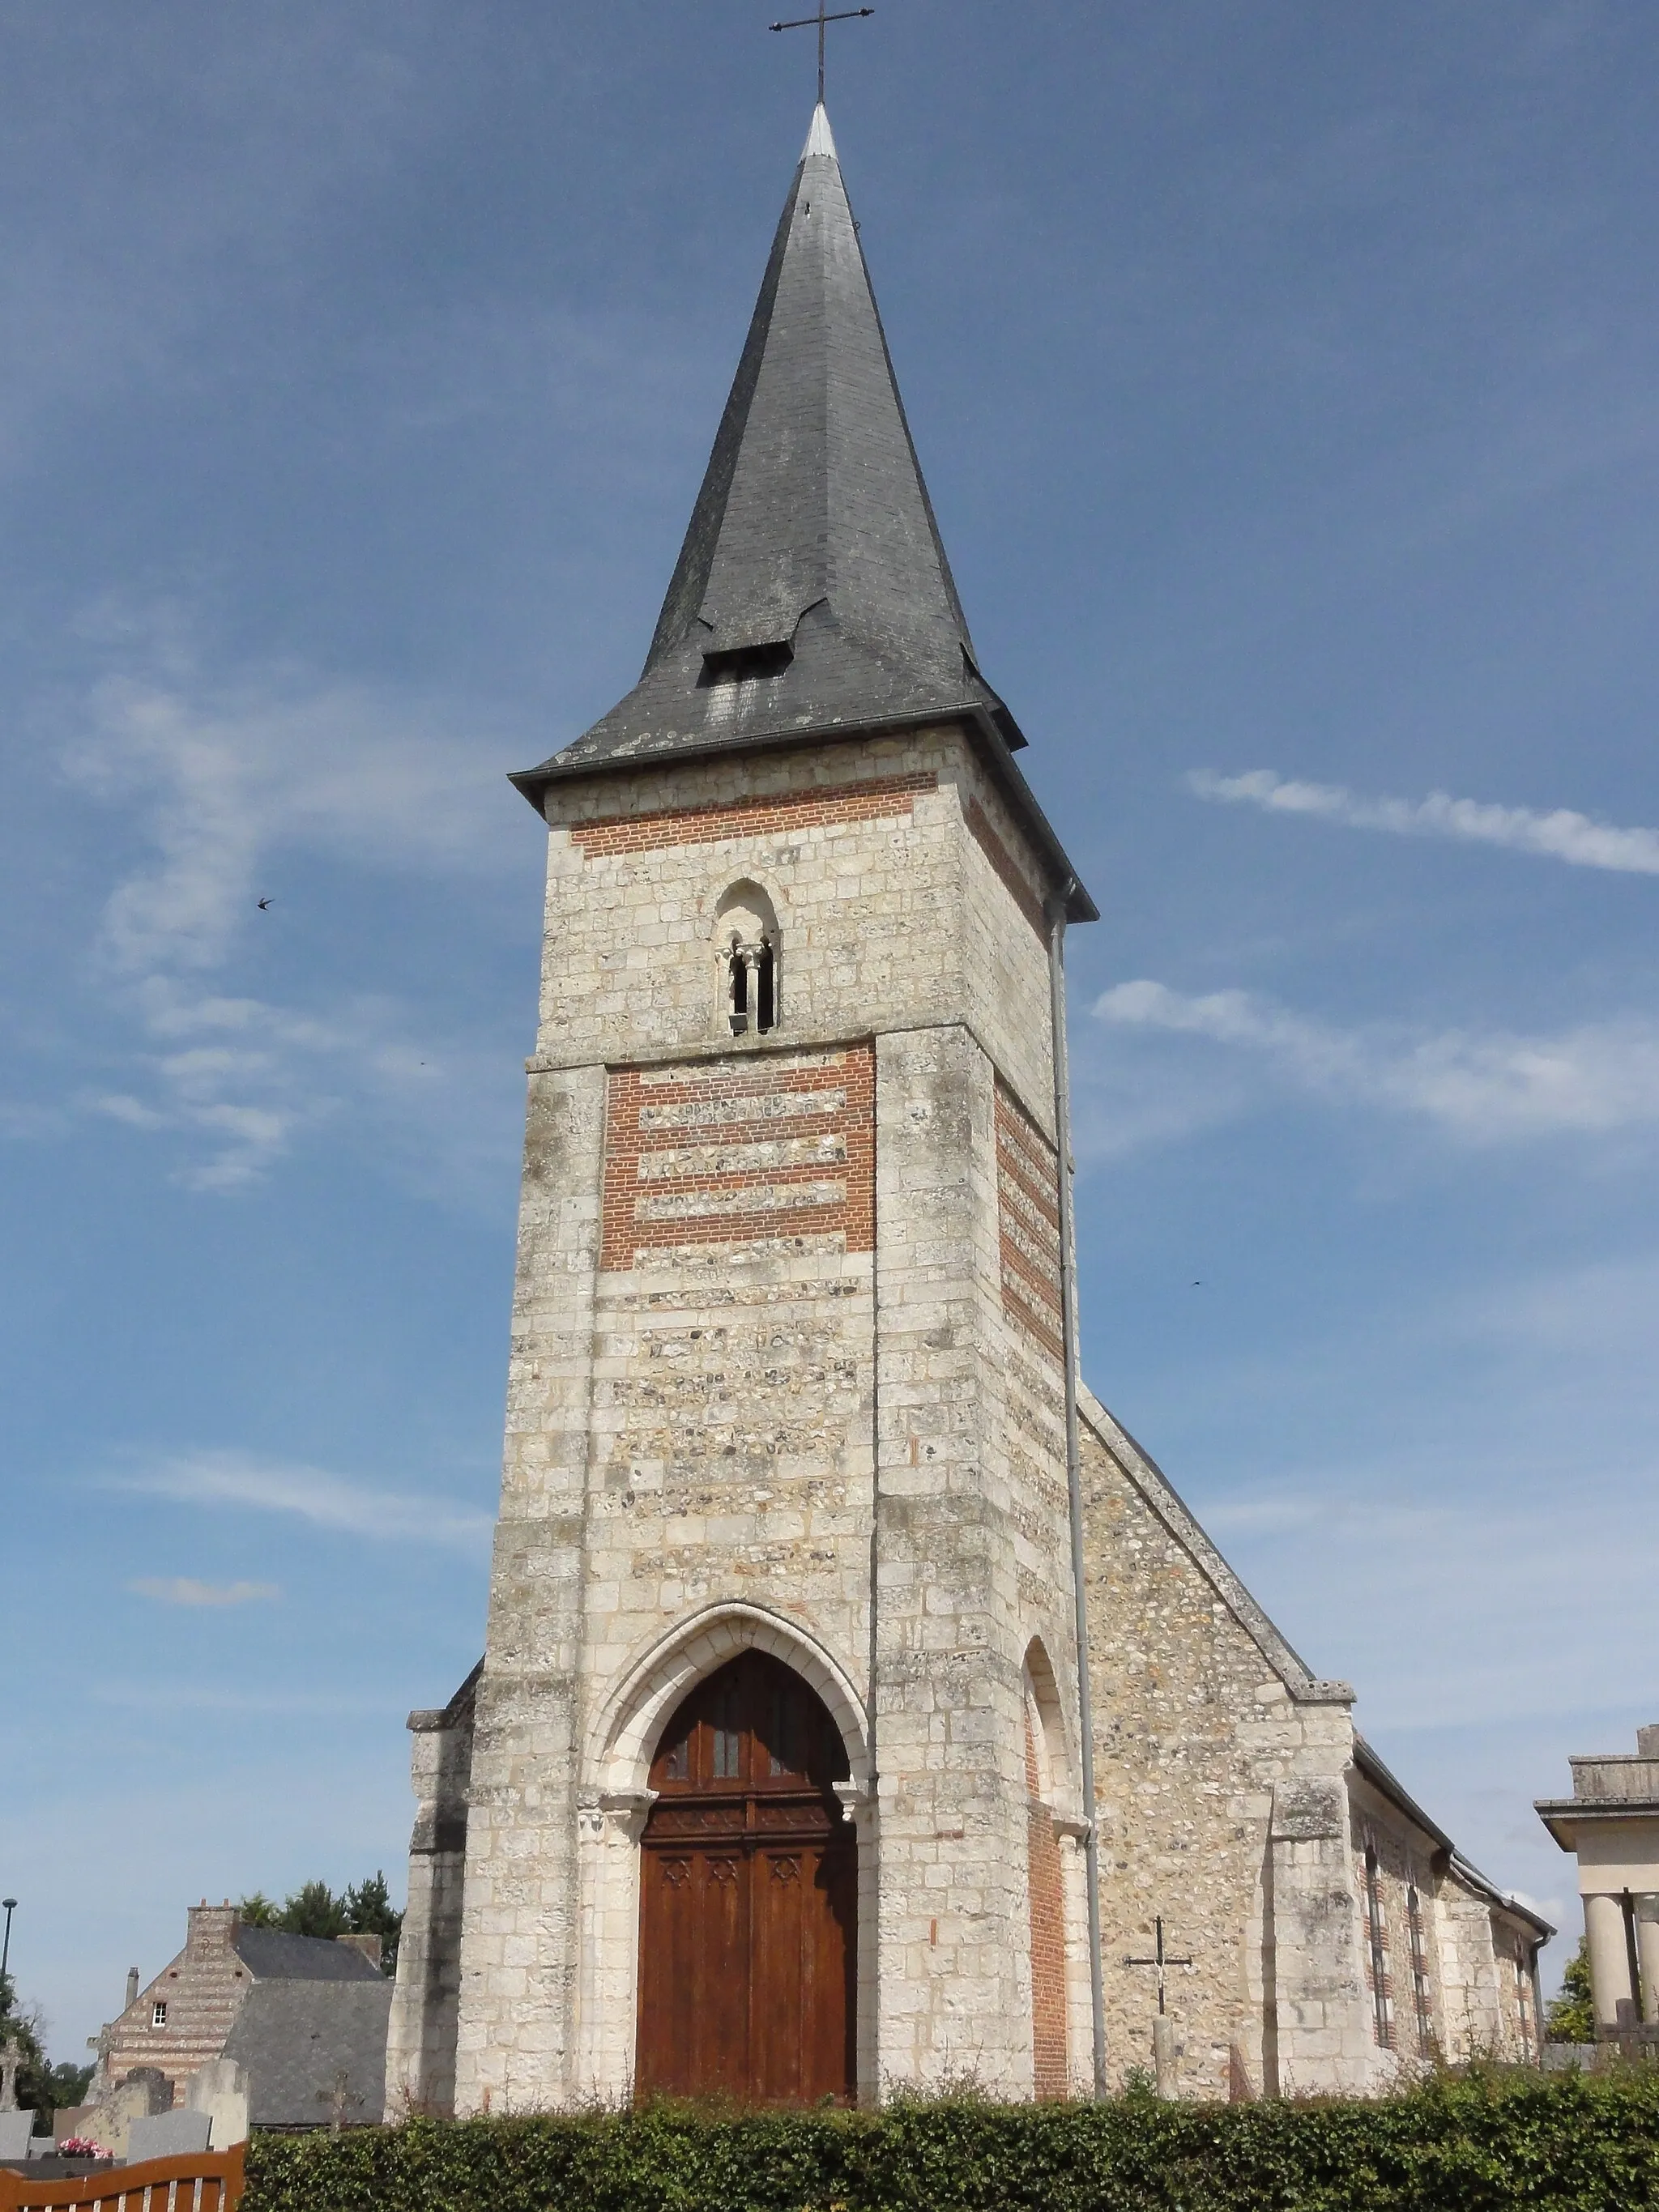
x=1074, y=1466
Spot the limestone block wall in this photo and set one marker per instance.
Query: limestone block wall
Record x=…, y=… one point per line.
x=948, y=1635
x=520, y=1915
x=1219, y=1765
x=1473, y=2012
x=1489, y=1966
x=422, y=2029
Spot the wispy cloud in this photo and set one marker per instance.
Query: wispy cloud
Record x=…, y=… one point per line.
x=1481, y=1086
x=220, y=777
x=221, y=771
x=233, y=1479
x=1560, y=834
x=1524, y=1612
x=184, y=1590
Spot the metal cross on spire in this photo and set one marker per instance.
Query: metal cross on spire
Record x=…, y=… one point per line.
x=1160, y=1959
x=806, y=23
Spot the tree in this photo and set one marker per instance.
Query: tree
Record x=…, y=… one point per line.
x=314, y=1910
x=1571, y=2015
x=41, y=2087
x=363, y=1908
x=370, y=1911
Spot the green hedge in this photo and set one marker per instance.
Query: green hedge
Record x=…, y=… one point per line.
x=1579, y=2144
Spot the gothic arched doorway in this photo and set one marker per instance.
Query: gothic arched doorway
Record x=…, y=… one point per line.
x=749, y=1883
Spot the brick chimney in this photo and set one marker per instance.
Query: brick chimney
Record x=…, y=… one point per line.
x=212, y=1930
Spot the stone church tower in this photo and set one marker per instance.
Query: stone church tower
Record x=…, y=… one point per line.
x=772, y=1778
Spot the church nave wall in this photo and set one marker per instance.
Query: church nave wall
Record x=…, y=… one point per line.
x=1197, y=1739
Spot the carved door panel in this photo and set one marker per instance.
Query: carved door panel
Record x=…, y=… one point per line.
x=747, y=1940
x=719, y=1997
x=802, y=1979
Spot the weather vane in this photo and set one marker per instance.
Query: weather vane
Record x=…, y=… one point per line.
x=806, y=23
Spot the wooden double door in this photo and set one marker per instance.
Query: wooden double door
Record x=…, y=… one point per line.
x=748, y=1908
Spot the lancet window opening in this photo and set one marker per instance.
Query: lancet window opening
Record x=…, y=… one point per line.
x=1422, y=1994
x=746, y=948
x=1376, y=1935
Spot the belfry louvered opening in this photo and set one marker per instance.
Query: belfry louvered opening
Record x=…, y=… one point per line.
x=746, y=664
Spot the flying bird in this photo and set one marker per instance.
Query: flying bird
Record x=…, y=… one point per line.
x=263, y=904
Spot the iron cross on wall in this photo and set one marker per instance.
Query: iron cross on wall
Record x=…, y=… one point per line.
x=806, y=23
x=1160, y=1959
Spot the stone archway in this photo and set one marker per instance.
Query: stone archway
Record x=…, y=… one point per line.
x=622, y=1741
x=748, y=1896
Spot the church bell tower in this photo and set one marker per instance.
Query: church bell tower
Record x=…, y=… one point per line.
x=769, y=1782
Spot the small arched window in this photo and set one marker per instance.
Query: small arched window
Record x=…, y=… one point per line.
x=746, y=960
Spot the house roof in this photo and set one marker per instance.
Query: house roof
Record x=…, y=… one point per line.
x=296, y=2038
x=271, y=1954
x=812, y=597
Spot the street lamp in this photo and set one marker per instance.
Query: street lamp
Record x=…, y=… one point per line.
x=10, y=1906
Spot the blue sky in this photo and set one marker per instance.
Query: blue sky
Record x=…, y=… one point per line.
x=1285, y=378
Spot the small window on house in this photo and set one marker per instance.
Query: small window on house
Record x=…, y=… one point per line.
x=158, y=2013
x=1376, y=1935
x=746, y=960
x=1422, y=1989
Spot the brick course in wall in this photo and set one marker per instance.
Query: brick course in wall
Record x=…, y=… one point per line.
x=862, y=801
x=728, y=1151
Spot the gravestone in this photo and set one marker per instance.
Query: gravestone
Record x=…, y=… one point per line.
x=15, y=2129
x=180, y=2134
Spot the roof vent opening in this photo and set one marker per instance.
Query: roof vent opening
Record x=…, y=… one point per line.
x=741, y=664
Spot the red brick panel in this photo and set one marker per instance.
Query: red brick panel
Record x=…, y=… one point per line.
x=1028, y=1208
x=740, y=1151
x=1047, y=1937
x=750, y=817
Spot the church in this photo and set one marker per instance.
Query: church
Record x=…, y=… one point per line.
x=860, y=1706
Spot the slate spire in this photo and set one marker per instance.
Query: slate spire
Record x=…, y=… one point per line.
x=811, y=593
